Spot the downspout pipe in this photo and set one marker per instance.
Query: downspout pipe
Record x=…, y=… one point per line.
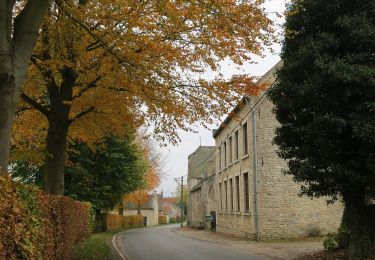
x=255, y=171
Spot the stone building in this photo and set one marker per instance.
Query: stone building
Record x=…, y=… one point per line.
x=254, y=198
x=150, y=210
x=201, y=199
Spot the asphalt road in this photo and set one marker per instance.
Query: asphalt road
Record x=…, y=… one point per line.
x=163, y=243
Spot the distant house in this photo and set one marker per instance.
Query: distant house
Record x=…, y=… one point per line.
x=150, y=210
x=253, y=198
x=171, y=209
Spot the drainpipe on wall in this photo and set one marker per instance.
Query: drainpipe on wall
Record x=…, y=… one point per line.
x=256, y=188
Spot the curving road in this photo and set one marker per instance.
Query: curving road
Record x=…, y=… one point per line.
x=163, y=243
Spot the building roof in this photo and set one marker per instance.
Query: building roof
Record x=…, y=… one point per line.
x=267, y=76
x=201, y=147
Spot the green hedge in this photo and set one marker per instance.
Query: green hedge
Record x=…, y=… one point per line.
x=34, y=224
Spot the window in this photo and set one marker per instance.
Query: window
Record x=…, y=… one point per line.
x=225, y=154
x=231, y=194
x=238, y=193
x=220, y=158
x=246, y=191
x=236, y=145
x=244, y=134
x=226, y=195
x=221, y=197
x=230, y=150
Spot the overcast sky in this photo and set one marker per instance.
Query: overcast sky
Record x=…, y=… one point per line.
x=177, y=156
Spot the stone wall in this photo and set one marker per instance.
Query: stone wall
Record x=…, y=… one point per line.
x=274, y=208
x=282, y=213
x=200, y=169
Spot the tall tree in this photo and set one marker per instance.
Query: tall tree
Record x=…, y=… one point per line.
x=18, y=35
x=324, y=100
x=93, y=72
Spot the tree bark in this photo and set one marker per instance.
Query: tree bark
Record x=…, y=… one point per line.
x=58, y=120
x=55, y=158
x=17, y=39
x=359, y=219
x=7, y=108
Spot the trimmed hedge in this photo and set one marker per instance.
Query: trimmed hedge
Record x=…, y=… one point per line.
x=162, y=220
x=115, y=222
x=34, y=224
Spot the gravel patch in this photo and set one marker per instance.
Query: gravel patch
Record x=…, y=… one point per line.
x=281, y=249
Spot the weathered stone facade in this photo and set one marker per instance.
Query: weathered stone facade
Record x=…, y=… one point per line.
x=254, y=198
x=201, y=198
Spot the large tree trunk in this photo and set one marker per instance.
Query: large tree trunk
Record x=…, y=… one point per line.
x=7, y=86
x=359, y=219
x=17, y=39
x=55, y=158
x=58, y=120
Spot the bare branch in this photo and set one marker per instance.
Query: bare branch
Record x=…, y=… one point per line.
x=23, y=109
x=81, y=114
x=35, y=104
x=98, y=40
x=88, y=87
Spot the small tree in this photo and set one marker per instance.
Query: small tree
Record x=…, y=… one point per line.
x=324, y=100
x=181, y=202
x=101, y=176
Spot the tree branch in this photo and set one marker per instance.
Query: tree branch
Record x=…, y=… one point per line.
x=35, y=104
x=81, y=114
x=23, y=109
x=98, y=40
x=88, y=87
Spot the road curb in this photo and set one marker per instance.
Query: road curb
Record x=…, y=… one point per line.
x=122, y=255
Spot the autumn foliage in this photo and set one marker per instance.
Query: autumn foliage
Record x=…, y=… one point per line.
x=104, y=64
x=36, y=225
x=162, y=220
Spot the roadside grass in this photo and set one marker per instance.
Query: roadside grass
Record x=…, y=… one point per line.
x=97, y=246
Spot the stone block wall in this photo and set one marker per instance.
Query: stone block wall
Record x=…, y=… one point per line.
x=281, y=212
x=237, y=224
x=200, y=168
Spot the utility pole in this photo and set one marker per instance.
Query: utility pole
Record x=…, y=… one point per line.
x=181, y=199
x=182, y=195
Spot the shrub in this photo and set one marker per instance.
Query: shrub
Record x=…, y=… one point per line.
x=36, y=225
x=313, y=232
x=115, y=222
x=162, y=220
x=337, y=241
x=330, y=243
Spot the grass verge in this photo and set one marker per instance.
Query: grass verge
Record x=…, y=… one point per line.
x=97, y=246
